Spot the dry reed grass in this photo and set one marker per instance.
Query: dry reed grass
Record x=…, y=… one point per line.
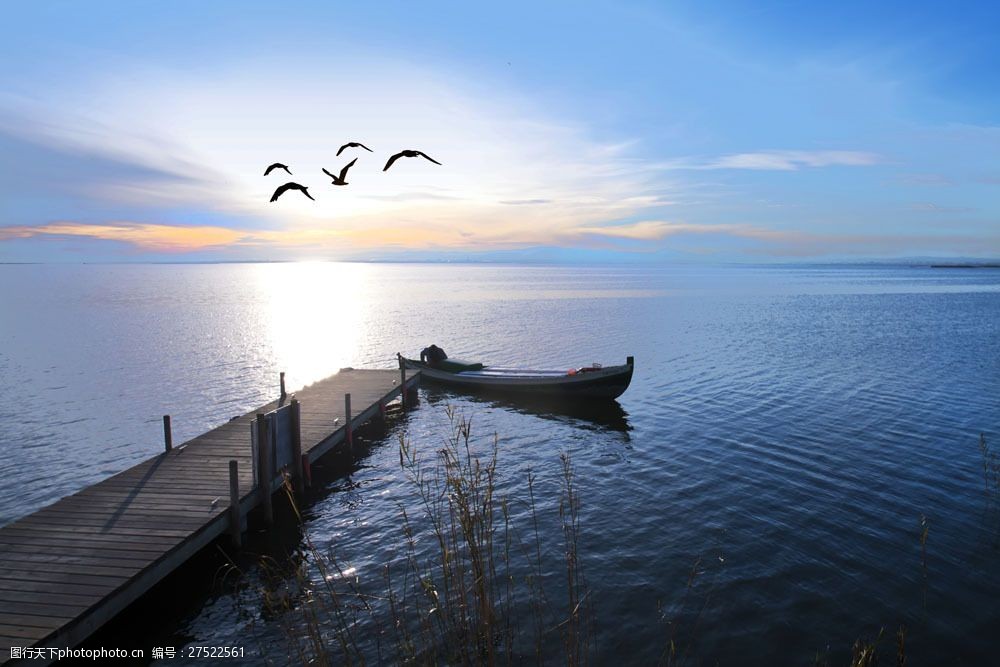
x=452, y=595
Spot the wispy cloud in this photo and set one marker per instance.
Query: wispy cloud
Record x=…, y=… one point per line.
x=512, y=175
x=42, y=163
x=525, y=202
x=413, y=196
x=209, y=152
x=656, y=230
x=142, y=236
x=929, y=180
x=778, y=160
x=644, y=237
x=930, y=207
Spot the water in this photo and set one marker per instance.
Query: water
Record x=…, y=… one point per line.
x=785, y=431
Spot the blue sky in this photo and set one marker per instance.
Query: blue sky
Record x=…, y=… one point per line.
x=627, y=131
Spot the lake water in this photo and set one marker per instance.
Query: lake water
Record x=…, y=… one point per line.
x=786, y=429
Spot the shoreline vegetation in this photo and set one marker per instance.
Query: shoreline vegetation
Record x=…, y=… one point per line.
x=476, y=580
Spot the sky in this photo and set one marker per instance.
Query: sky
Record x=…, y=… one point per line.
x=566, y=131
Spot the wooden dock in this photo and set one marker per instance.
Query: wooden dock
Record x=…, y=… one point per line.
x=70, y=567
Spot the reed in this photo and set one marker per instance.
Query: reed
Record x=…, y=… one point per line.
x=924, y=531
x=991, y=470
x=451, y=596
x=866, y=652
x=675, y=651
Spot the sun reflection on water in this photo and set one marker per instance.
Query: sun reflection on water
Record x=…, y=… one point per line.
x=313, y=313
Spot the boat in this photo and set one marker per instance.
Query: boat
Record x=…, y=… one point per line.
x=588, y=382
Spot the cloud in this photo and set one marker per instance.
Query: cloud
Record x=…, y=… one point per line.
x=931, y=207
x=644, y=236
x=656, y=234
x=42, y=164
x=931, y=180
x=144, y=236
x=412, y=196
x=657, y=230
x=179, y=150
x=525, y=202
x=194, y=150
x=153, y=237
x=210, y=137
x=779, y=160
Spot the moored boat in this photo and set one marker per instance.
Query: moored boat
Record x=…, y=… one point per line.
x=590, y=382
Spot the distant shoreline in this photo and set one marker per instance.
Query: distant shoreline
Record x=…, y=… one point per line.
x=965, y=266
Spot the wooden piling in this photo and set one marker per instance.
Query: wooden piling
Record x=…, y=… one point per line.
x=282, y=380
x=168, y=437
x=347, y=417
x=402, y=383
x=264, y=473
x=297, y=481
x=235, y=519
x=307, y=479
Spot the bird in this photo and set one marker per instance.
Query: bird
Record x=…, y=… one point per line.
x=407, y=154
x=354, y=144
x=290, y=186
x=277, y=165
x=339, y=180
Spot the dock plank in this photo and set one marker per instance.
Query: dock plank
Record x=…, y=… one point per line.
x=28, y=620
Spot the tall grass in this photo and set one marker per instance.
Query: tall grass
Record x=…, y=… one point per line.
x=451, y=595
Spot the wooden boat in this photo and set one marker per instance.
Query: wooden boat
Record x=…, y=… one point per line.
x=599, y=382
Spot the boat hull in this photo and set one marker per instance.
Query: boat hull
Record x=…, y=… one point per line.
x=602, y=383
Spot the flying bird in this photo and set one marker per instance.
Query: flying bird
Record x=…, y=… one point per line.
x=354, y=144
x=407, y=154
x=277, y=165
x=339, y=180
x=290, y=186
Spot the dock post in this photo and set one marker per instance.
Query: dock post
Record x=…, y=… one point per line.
x=264, y=473
x=297, y=446
x=347, y=417
x=411, y=395
x=168, y=437
x=307, y=478
x=402, y=383
x=282, y=376
x=235, y=520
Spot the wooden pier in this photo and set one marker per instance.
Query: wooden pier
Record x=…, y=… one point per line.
x=70, y=567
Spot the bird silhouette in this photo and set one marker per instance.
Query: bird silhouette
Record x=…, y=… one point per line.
x=354, y=144
x=339, y=180
x=277, y=165
x=290, y=186
x=407, y=154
